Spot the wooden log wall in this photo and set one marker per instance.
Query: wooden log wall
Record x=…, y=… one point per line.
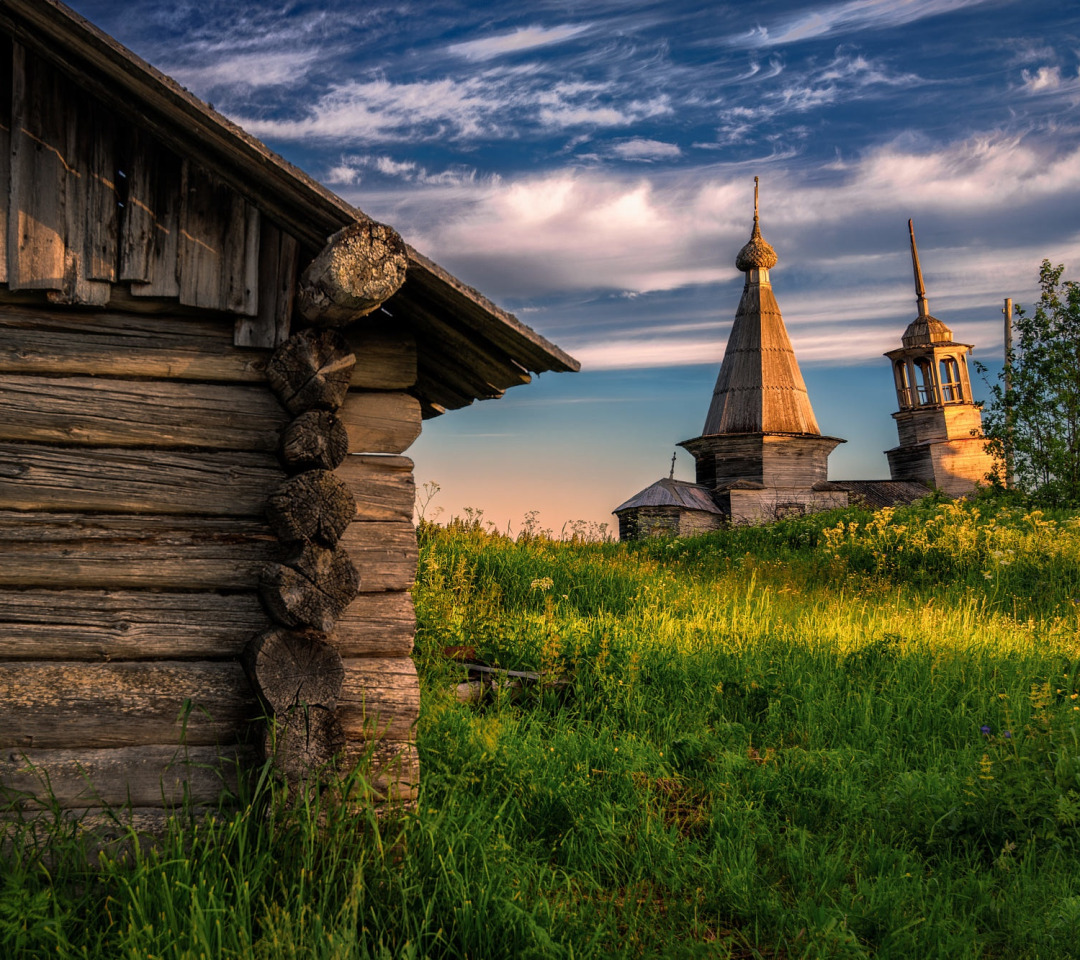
x=138, y=454
x=192, y=535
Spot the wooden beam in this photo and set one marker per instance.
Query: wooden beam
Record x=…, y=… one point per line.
x=383, y=486
x=68, y=705
x=380, y=422
x=385, y=554
x=65, y=479
x=379, y=699
x=151, y=624
x=98, y=411
x=142, y=776
x=358, y=270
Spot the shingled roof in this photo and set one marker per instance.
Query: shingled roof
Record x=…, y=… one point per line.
x=468, y=347
x=760, y=388
x=672, y=493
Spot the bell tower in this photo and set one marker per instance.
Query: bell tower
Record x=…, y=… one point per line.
x=938, y=423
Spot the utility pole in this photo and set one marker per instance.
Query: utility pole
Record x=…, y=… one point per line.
x=1007, y=310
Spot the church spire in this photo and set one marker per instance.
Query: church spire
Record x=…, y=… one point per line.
x=920, y=288
x=760, y=388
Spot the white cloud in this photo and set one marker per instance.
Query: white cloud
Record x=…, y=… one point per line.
x=524, y=38
x=850, y=17
x=1045, y=78
x=267, y=68
x=642, y=149
x=490, y=104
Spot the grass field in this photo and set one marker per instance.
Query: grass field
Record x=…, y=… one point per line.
x=849, y=735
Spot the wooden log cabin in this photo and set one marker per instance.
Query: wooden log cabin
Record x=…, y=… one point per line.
x=210, y=369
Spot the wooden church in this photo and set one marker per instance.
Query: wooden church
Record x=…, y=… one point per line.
x=761, y=455
x=210, y=369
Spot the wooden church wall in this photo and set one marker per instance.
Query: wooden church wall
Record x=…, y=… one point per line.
x=138, y=448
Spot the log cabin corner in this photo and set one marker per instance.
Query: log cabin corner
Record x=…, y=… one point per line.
x=210, y=367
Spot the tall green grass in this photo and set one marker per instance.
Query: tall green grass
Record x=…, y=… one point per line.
x=848, y=735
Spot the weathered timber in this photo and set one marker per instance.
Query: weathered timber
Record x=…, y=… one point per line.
x=358, y=270
x=219, y=244
x=310, y=588
x=35, y=477
x=57, y=342
x=64, y=224
x=379, y=699
x=380, y=422
x=100, y=552
x=150, y=227
x=390, y=768
x=143, y=776
x=56, y=550
x=303, y=741
x=316, y=440
x=134, y=413
x=292, y=668
x=384, y=553
x=376, y=625
x=5, y=149
x=69, y=705
x=278, y=254
x=385, y=354
x=490, y=363
x=152, y=625
x=314, y=506
x=383, y=486
x=311, y=370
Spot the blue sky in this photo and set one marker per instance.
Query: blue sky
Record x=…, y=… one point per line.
x=589, y=166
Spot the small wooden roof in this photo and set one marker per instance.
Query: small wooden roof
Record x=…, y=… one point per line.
x=876, y=494
x=672, y=493
x=760, y=388
x=468, y=347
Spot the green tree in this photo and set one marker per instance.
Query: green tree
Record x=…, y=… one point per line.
x=1037, y=420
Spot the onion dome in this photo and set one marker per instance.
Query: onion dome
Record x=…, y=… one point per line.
x=758, y=254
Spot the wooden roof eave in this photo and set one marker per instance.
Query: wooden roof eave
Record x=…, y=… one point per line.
x=297, y=202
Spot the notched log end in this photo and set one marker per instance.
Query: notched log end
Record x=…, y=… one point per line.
x=303, y=742
x=358, y=270
x=311, y=588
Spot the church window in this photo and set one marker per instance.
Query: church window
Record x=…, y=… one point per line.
x=951, y=390
x=927, y=390
x=903, y=384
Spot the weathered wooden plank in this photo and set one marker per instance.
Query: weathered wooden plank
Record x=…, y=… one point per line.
x=143, y=776
x=63, y=190
x=385, y=353
x=155, y=625
x=100, y=552
x=150, y=228
x=390, y=768
x=77, y=551
x=218, y=254
x=380, y=422
x=384, y=554
x=278, y=258
x=152, y=625
x=383, y=486
x=44, y=341
x=234, y=484
x=376, y=625
x=379, y=699
x=66, y=705
x=39, y=170
x=114, y=412
x=5, y=149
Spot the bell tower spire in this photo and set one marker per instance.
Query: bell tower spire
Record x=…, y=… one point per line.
x=920, y=288
x=938, y=423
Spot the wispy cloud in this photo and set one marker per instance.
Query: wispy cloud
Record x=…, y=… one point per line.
x=495, y=103
x=850, y=17
x=641, y=148
x=517, y=41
